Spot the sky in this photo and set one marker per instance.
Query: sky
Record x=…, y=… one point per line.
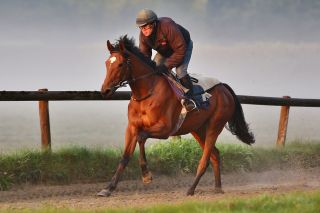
x=258, y=47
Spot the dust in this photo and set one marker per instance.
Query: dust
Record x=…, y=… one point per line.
x=163, y=190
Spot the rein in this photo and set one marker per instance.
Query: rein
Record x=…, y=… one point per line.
x=132, y=80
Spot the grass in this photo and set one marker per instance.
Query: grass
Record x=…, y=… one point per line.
x=63, y=166
x=80, y=164
x=306, y=202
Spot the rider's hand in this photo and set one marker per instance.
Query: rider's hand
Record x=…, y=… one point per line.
x=161, y=69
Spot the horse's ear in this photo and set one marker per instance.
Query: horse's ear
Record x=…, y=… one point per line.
x=122, y=46
x=110, y=47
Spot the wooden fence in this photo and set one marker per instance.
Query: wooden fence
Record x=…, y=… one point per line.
x=44, y=96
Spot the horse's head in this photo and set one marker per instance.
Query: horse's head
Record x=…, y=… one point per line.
x=117, y=69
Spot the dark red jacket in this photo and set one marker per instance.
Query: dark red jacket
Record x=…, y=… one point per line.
x=169, y=39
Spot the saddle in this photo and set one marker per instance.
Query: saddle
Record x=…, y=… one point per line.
x=201, y=86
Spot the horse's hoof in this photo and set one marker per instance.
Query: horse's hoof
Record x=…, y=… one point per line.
x=147, y=178
x=218, y=191
x=104, y=193
x=190, y=192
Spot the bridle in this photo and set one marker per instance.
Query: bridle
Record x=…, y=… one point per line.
x=125, y=71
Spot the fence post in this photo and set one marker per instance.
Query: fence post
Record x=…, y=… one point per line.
x=283, y=124
x=44, y=123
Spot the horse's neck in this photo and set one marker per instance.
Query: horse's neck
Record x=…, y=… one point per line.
x=145, y=81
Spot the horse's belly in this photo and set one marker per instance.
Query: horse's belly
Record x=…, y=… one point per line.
x=192, y=122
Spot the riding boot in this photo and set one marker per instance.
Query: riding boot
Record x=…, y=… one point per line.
x=187, y=102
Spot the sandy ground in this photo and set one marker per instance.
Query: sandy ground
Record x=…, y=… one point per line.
x=163, y=190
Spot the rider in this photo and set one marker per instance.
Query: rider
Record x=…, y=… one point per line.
x=173, y=45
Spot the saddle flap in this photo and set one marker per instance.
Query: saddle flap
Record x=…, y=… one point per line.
x=200, y=88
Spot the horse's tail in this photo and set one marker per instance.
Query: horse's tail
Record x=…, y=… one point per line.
x=237, y=125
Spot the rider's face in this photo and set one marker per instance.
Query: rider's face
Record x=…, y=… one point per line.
x=147, y=29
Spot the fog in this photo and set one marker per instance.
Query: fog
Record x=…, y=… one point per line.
x=266, y=48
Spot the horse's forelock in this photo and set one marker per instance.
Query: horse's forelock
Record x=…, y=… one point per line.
x=129, y=43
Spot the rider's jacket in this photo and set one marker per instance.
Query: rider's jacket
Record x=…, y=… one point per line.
x=169, y=39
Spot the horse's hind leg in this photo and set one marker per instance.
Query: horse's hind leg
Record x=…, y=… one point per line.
x=215, y=161
x=199, y=135
x=146, y=174
x=209, y=152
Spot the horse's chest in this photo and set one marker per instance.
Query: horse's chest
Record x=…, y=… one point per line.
x=143, y=118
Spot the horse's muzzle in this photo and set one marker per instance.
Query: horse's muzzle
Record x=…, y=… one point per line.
x=108, y=92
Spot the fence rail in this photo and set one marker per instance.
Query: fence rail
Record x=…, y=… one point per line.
x=44, y=96
x=125, y=95
x=60, y=96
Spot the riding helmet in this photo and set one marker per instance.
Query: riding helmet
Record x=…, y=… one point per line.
x=145, y=16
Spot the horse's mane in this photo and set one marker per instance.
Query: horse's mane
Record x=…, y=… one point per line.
x=129, y=43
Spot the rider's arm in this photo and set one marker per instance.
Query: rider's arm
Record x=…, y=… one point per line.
x=177, y=43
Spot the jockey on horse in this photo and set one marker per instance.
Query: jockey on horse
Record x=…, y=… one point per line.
x=154, y=109
x=173, y=45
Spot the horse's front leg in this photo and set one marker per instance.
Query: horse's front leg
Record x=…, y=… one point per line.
x=130, y=145
x=146, y=174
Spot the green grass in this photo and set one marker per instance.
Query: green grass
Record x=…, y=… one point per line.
x=63, y=166
x=79, y=164
x=175, y=156
x=294, y=202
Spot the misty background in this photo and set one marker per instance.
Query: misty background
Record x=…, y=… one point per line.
x=258, y=47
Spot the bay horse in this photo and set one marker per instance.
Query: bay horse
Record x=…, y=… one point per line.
x=154, y=109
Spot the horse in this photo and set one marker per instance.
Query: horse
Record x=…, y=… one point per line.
x=154, y=110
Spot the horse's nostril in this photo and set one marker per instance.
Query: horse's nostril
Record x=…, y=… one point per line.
x=104, y=91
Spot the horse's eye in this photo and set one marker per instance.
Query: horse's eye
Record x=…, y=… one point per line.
x=120, y=65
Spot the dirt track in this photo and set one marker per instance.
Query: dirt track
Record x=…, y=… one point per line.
x=161, y=190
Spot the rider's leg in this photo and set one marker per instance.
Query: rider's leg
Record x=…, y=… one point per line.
x=188, y=103
x=185, y=78
x=187, y=83
x=182, y=69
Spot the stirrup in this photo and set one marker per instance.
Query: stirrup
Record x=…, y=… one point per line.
x=192, y=101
